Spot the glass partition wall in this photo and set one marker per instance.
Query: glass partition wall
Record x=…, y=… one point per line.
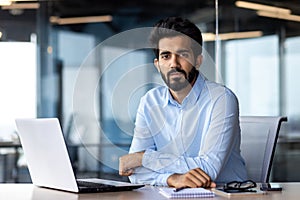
x=91, y=74
x=257, y=56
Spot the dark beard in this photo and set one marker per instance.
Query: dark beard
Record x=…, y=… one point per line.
x=177, y=85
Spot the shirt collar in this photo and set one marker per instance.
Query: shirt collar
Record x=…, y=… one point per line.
x=191, y=98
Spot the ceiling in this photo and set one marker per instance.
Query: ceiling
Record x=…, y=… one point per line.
x=128, y=13
x=133, y=13
x=144, y=8
x=145, y=12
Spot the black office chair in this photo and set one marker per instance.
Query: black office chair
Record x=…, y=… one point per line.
x=258, y=142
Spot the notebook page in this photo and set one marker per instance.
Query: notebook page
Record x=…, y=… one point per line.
x=186, y=193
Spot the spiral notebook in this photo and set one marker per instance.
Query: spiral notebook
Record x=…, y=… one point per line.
x=186, y=193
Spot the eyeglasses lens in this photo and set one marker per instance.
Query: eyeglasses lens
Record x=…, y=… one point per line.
x=241, y=186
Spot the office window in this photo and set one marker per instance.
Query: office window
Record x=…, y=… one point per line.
x=124, y=81
x=17, y=83
x=252, y=72
x=292, y=91
x=73, y=49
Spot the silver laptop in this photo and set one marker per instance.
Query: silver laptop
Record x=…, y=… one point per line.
x=49, y=163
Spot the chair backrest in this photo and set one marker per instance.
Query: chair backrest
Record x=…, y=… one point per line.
x=258, y=142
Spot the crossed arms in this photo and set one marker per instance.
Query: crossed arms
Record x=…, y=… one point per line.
x=193, y=178
x=207, y=145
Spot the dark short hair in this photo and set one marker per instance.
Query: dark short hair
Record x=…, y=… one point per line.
x=175, y=26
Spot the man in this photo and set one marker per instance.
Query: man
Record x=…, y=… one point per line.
x=186, y=133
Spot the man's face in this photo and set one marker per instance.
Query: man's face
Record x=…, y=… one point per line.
x=176, y=62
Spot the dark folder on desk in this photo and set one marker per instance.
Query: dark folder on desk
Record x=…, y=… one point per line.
x=49, y=163
x=254, y=192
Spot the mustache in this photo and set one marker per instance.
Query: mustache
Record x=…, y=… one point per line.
x=176, y=70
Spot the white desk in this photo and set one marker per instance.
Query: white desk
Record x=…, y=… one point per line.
x=291, y=191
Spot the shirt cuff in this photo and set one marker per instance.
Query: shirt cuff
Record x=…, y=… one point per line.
x=148, y=157
x=163, y=179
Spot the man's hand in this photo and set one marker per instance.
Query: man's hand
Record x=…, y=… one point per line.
x=193, y=178
x=128, y=162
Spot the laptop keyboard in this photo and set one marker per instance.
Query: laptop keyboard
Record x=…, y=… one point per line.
x=93, y=185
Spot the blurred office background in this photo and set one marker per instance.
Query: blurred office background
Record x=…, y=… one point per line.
x=72, y=59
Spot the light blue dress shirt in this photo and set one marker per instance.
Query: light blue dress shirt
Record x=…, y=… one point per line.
x=201, y=132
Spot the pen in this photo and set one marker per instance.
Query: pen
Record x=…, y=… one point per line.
x=178, y=189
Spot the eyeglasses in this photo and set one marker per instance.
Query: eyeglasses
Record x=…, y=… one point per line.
x=237, y=186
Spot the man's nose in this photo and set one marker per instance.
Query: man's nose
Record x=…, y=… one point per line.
x=174, y=61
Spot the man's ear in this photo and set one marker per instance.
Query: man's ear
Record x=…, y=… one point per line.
x=199, y=61
x=156, y=64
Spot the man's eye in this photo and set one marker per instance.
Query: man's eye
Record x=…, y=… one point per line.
x=165, y=56
x=185, y=55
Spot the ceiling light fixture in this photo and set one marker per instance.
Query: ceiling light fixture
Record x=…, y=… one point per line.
x=80, y=20
x=5, y=2
x=269, y=11
x=232, y=35
x=289, y=17
x=22, y=0
x=262, y=7
x=21, y=6
x=9, y=2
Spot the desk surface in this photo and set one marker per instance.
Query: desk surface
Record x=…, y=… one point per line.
x=290, y=191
